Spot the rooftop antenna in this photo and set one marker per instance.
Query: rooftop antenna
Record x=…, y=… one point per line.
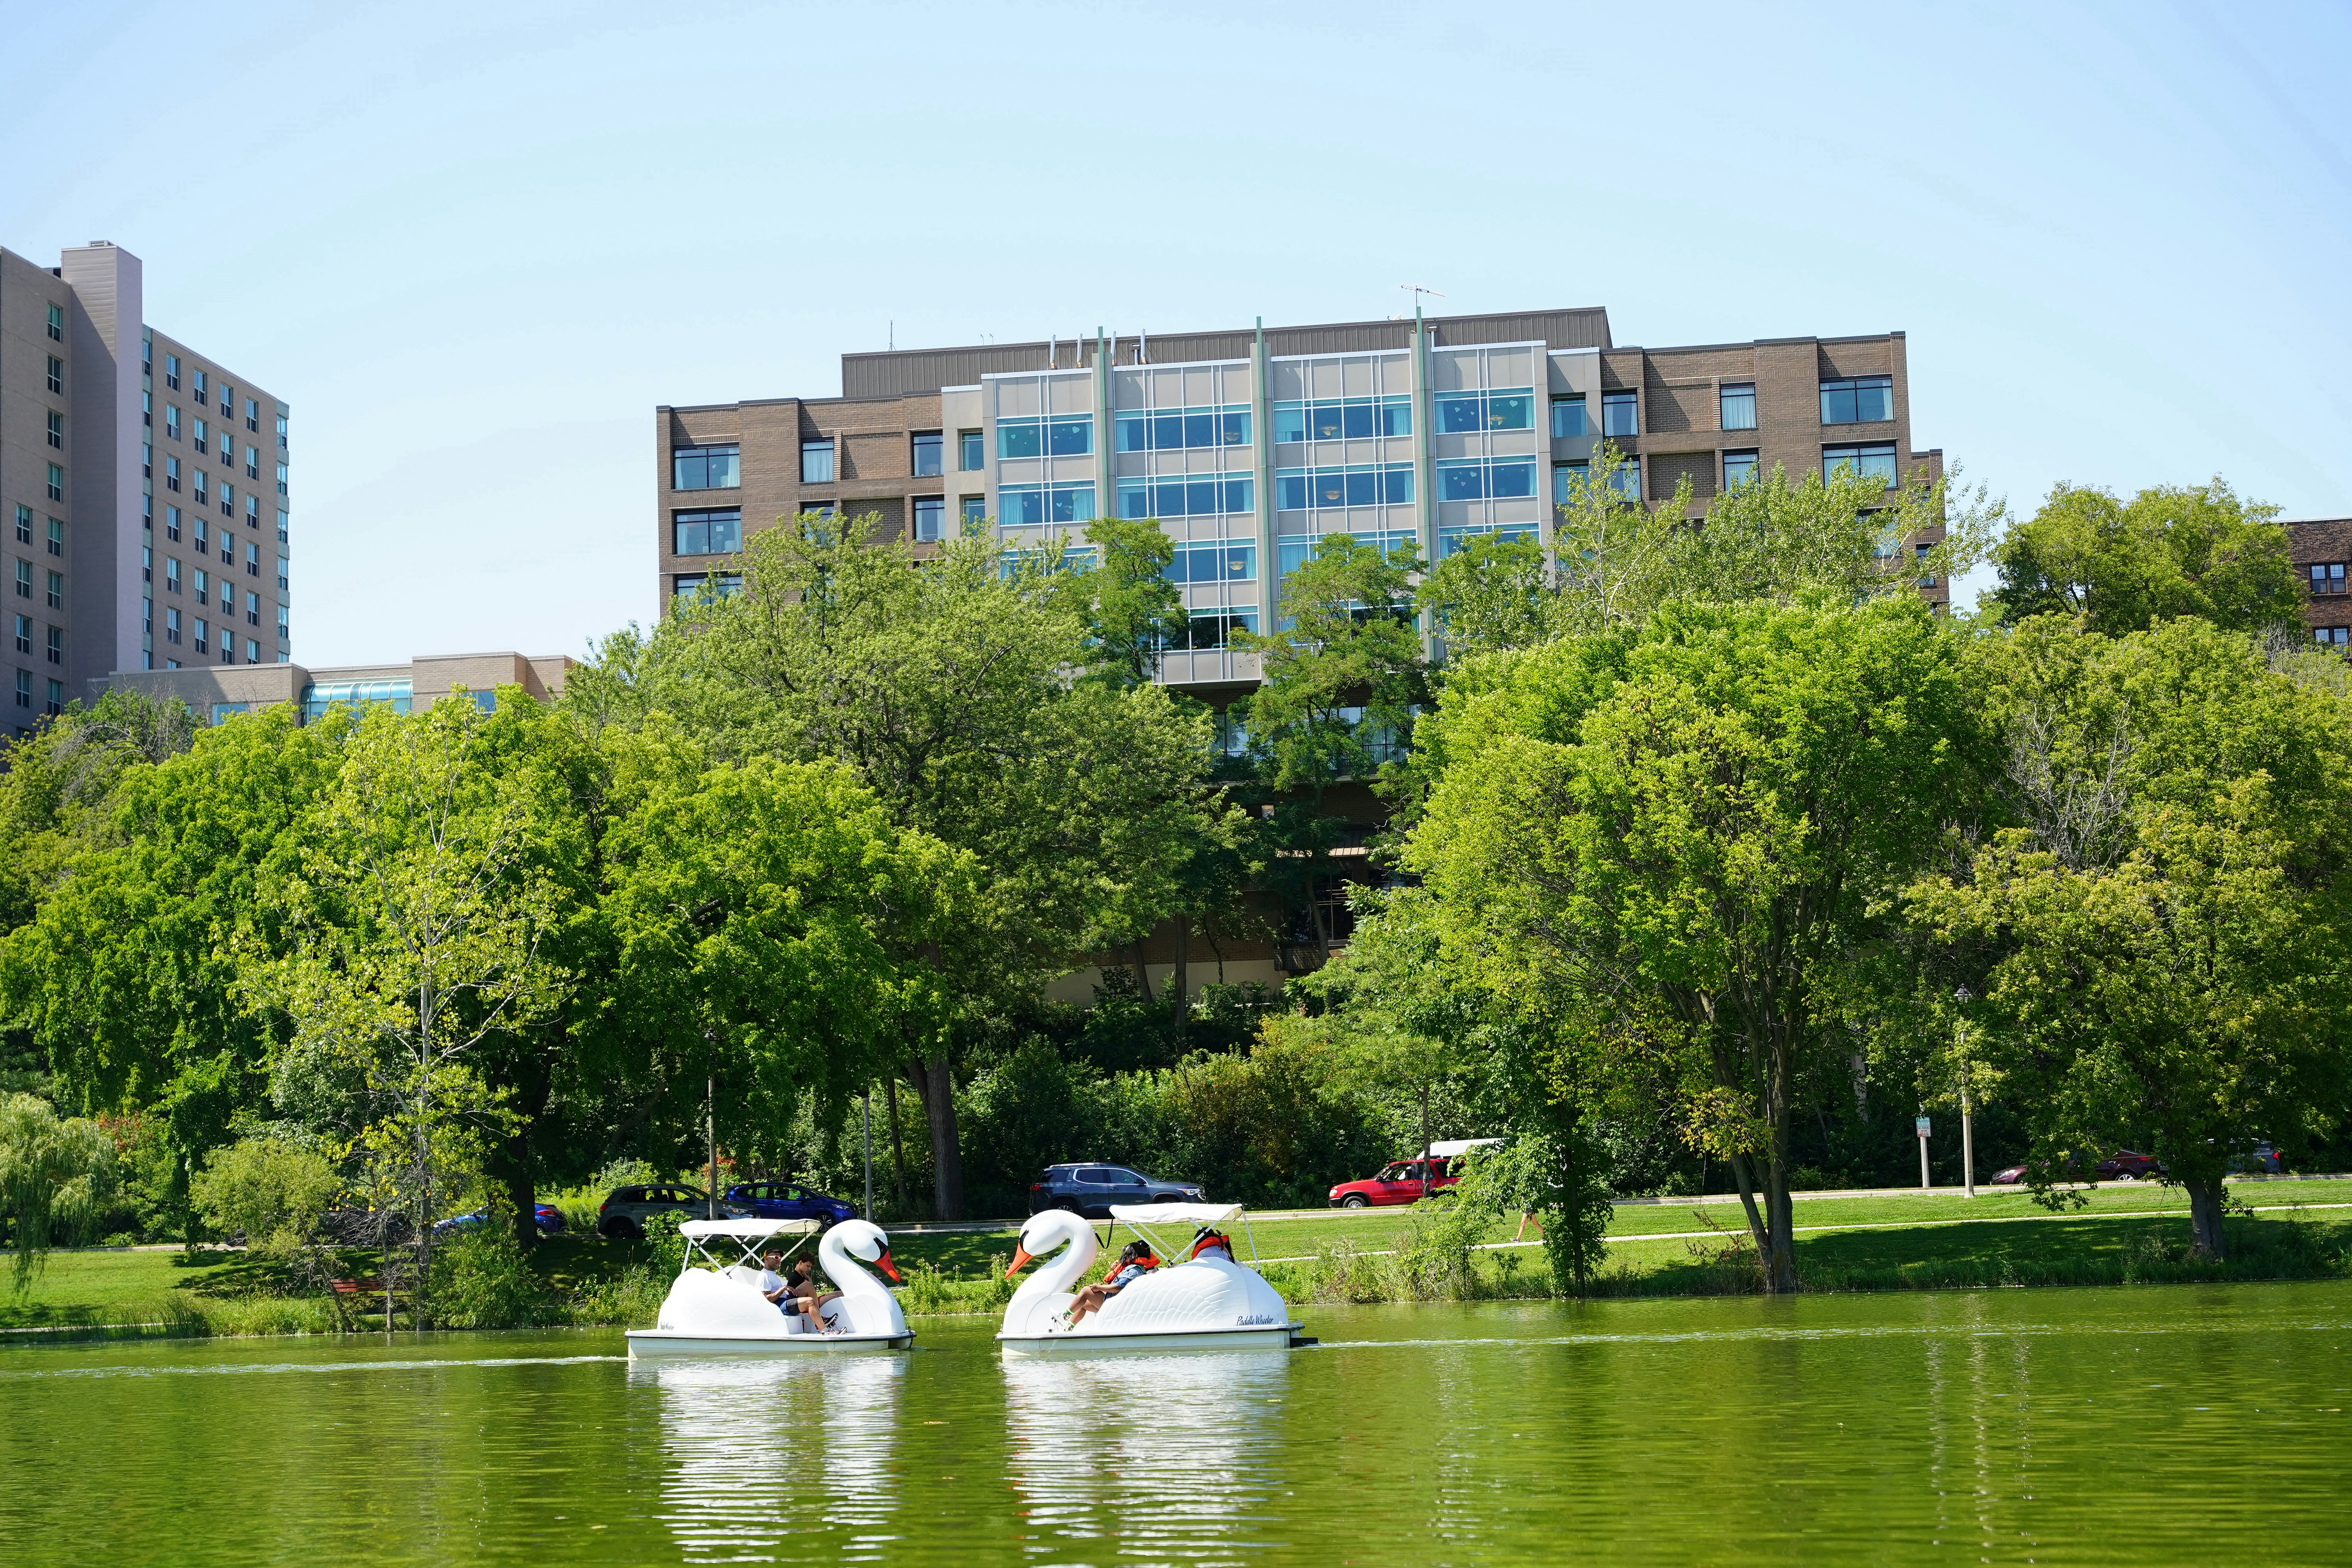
x=1417, y=292
x=1143, y=346
x=894, y=335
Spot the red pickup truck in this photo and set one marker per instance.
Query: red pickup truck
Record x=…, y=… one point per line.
x=1399, y=1182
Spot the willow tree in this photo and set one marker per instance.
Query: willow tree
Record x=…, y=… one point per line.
x=1667, y=851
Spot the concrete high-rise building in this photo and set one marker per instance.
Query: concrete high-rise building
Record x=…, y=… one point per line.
x=143, y=491
x=1247, y=445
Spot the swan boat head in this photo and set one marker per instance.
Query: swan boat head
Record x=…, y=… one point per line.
x=864, y=1308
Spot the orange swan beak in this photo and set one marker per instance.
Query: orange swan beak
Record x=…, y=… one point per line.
x=883, y=1263
x=1020, y=1255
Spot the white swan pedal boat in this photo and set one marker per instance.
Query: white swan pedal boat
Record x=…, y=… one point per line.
x=715, y=1307
x=1207, y=1303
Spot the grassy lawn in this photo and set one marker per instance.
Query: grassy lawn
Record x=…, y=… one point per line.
x=1935, y=1238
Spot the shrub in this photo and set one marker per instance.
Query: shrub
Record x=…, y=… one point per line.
x=627, y=1171
x=480, y=1280
x=270, y=1194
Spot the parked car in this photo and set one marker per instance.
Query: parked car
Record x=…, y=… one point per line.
x=1399, y=1182
x=2262, y=1160
x=547, y=1216
x=624, y=1213
x=784, y=1200
x=2122, y=1165
x=2009, y=1176
x=1090, y=1189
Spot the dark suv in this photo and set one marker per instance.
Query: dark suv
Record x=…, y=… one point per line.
x=1091, y=1189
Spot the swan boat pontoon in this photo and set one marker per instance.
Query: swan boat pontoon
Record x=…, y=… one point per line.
x=715, y=1307
x=1205, y=1302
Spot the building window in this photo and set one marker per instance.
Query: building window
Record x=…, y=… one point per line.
x=1034, y=505
x=147, y=618
x=204, y=633
x=171, y=523
x=1211, y=630
x=1363, y=484
x=24, y=579
x=1467, y=413
x=56, y=697
x=227, y=398
x=1873, y=461
x=146, y=563
x=1346, y=418
x=25, y=635
x=252, y=559
x=253, y=415
x=171, y=473
x=1568, y=417
x=56, y=483
x=930, y=452
x=1620, y=414
x=1194, y=495
x=1738, y=469
x=252, y=511
x=1181, y=429
x=57, y=429
x=971, y=453
x=171, y=623
x=281, y=525
x=202, y=499
x=172, y=371
x=253, y=656
x=1045, y=437
x=24, y=687
x=204, y=585
x=55, y=649
x=1564, y=479
x=1475, y=478
x=705, y=468
x=23, y=524
x=56, y=324
x=706, y=532
x=200, y=436
x=715, y=584
x=931, y=516
x=171, y=420
x=281, y=478
x=199, y=387
x=1213, y=563
x=56, y=536
x=171, y=574
x=1926, y=578
x=973, y=512
x=57, y=586
x=1626, y=480
x=2332, y=637
x=2327, y=577
x=1739, y=404
x=282, y=584
x=57, y=374
x=252, y=612
x=1860, y=401
x=816, y=462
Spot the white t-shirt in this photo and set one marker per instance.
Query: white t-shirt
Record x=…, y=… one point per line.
x=770, y=1282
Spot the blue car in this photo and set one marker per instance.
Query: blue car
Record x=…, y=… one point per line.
x=546, y=1217
x=784, y=1200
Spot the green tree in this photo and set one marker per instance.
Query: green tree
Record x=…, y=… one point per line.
x=1667, y=875
x=56, y=1175
x=1132, y=611
x=274, y=1195
x=2161, y=943
x=2169, y=550
x=1342, y=682
x=945, y=687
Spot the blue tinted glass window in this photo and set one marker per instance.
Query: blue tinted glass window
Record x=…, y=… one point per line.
x=1874, y=397
x=1738, y=467
x=1837, y=403
x=1201, y=428
x=1168, y=432
x=931, y=516
x=1510, y=411
x=1237, y=496
x=1290, y=554
x=1563, y=476
x=1327, y=421
x=969, y=451
x=1626, y=480
x=1133, y=433
x=1358, y=420
x=1134, y=499
x=1331, y=487
x=1739, y=406
x=1396, y=484
x=1363, y=486
x=1396, y=415
x=704, y=468
x=1200, y=497
x=708, y=533
x=1020, y=438
x=1568, y=417
x=1234, y=426
x=1290, y=492
x=1511, y=478
x=930, y=452
x=816, y=462
x=1070, y=438
x=1618, y=413
x=1021, y=506
x=1073, y=503
x=1458, y=413
x=1461, y=481
x=974, y=510
x=1876, y=461
x=1290, y=422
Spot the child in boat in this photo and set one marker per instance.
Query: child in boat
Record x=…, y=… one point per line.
x=1135, y=1260
x=809, y=1295
x=1212, y=1244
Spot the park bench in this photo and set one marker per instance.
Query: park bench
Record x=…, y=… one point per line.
x=361, y=1295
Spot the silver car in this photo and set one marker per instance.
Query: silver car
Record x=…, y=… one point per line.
x=623, y=1214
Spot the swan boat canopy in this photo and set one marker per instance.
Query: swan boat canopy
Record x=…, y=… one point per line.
x=715, y=1307
x=1207, y=1301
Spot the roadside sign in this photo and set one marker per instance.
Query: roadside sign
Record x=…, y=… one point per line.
x=1921, y=1125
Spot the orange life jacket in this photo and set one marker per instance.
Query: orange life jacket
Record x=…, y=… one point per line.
x=1213, y=1239
x=1146, y=1262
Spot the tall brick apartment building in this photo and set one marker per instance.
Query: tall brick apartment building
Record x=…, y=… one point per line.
x=2321, y=550
x=1249, y=445
x=143, y=491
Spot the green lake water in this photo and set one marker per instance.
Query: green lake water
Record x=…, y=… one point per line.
x=2153, y=1425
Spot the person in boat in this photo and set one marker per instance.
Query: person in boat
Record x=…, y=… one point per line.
x=1135, y=1260
x=809, y=1295
x=773, y=1285
x=1212, y=1244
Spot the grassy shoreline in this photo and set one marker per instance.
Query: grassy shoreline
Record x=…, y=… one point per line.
x=1932, y=1241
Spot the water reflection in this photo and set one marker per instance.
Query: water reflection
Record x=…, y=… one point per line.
x=779, y=1460
x=1168, y=1457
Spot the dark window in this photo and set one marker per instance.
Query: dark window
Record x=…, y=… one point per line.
x=1874, y=462
x=56, y=536
x=57, y=589
x=2332, y=637
x=57, y=645
x=56, y=483
x=1859, y=401
x=973, y=510
x=931, y=516
x=1620, y=414
x=704, y=468
x=57, y=429
x=56, y=324
x=706, y=532
x=2327, y=577
x=25, y=635
x=23, y=524
x=24, y=579
x=930, y=452
x=172, y=371
x=816, y=462
x=24, y=689
x=1739, y=403
x=56, y=373
x=171, y=523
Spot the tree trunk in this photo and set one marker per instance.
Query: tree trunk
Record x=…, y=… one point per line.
x=2205, y=1205
x=512, y=1160
x=1180, y=990
x=938, y=1088
x=1142, y=976
x=897, y=1142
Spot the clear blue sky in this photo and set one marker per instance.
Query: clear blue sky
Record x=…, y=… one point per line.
x=475, y=245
